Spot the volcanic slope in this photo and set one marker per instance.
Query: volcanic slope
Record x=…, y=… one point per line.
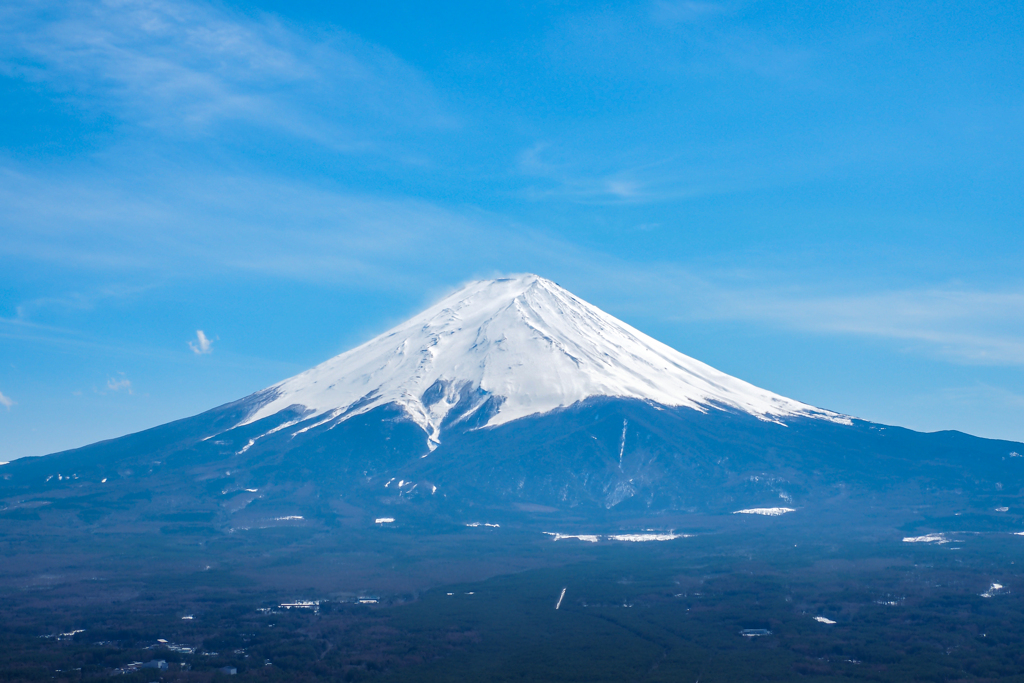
x=511, y=395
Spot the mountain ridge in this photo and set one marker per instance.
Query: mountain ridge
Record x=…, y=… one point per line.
x=508, y=396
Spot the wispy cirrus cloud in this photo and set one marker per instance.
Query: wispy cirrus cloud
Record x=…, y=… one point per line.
x=563, y=174
x=185, y=67
x=960, y=324
x=249, y=224
x=984, y=394
x=573, y=170
x=708, y=37
x=6, y=401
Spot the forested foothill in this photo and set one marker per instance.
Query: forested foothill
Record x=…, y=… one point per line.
x=382, y=610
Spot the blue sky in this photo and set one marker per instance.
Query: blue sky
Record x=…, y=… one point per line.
x=822, y=199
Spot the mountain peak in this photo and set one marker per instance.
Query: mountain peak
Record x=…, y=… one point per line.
x=507, y=348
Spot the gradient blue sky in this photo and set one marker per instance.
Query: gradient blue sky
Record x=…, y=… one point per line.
x=824, y=199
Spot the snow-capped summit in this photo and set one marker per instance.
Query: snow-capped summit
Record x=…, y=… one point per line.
x=521, y=346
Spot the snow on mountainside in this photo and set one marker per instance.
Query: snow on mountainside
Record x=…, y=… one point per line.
x=522, y=345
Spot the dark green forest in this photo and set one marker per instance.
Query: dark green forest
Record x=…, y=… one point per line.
x=668, y=611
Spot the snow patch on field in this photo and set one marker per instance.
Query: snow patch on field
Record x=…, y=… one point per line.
x=929, y=538
x=589, y=538
x=640, y=538
x=992, y=590
x=628, y=538
x=767, y=512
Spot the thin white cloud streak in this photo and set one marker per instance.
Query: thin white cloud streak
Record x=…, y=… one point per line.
x=963, y=325
x=185, y=66
x=202, y=345
x=21, y=330
x=572, y=171
x=707, y=38
x=675, y=49
x=280, y=228
x=24, y=332
x=958, y=324
x=609, y=181
x=79, y=300
x=981, y=394
x=6, y=401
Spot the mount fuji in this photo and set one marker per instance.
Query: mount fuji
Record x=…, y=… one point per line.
x=509, y=399
x=501, y=350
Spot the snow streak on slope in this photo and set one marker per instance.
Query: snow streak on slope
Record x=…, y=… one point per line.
x=527, y=345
